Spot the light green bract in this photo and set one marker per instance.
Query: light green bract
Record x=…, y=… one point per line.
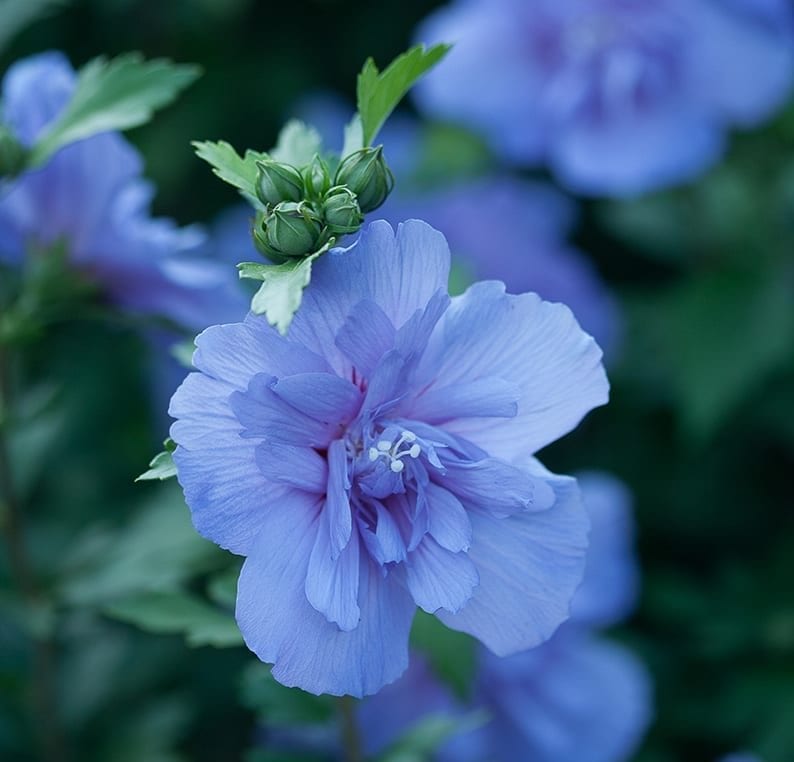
x=162, y=465
x=299, y=156
x=113, y=94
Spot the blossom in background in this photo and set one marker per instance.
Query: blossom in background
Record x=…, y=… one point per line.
x=379, y=458
x=576, y=698
x=91, y=197
x=514, y=231
x=616, y=96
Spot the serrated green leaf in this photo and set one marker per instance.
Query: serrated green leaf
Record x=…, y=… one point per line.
x=16, y=15
x=378, y=93
x=226, y=163
x=281, y=292
x=297, y=144
x=162, y=465
x=178, y=613
x=114, y=95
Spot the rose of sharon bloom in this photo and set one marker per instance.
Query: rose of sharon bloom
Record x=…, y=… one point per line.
x=91, y=197
x=616, y=96
x=575, y=698
x=379, y=458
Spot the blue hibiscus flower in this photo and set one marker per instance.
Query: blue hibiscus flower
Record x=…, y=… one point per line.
x=92, y=198
x=617, y=96
x=380, y=458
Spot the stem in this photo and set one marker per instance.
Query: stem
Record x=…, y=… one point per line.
x=11, y=517
x=350, y=739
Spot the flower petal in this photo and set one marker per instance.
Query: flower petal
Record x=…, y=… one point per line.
x=224, y=488
x=399, y=272
x=488, y=397
x=448, y=521
x=337, y=514
x=300, y=467
x=532, y=344
x=332, y=579
x=281, y=627
x=438, y=578
x=365, y=336
x=322, y=396
x=530, y=565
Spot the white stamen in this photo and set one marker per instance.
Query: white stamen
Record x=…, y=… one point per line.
x=407, y=436
x=384, y=445
x=397, y=466
x=414, y=451
x=373, y=453
x=393, y=454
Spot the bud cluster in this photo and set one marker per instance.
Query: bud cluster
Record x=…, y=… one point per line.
x=305, y=208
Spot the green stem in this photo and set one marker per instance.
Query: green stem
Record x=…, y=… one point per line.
x=350, y=738
x=11, y=517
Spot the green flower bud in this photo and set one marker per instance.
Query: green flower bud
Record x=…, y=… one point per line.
x=316, y=178
x=341, y=211
x=12, y=153
x=293, y=230
x=366, y=173
x=276, y=182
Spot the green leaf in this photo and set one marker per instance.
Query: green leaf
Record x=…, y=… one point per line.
x=157, y=550
x=354, y=136
x=281, y=292
x=175, y=613
x=114, y=95
x=16, y=15
x=239, y=171
x=421, y=742
x=280, y=705
x=297, y=144
x=162, y=465
x=379, y=92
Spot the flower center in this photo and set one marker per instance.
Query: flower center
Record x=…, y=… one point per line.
x=393, y=453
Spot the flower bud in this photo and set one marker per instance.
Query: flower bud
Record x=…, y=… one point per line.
x=12, y=153
x=366, y=173
x=341, y=211
x=293, y=230
x=276, y=182
x=316, y=178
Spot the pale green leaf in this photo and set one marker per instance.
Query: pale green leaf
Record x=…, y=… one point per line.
x=178, y=613
x=162, y=465
x=281, y=292
x=226, y=163
x=114, y=94
x=378, y=93
x=297, y=144
x=354, y=136
x=16, y=15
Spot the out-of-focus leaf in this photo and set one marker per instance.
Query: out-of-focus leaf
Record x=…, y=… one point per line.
x=16, y=15
x=297, y=144
x=723, y=334
x=280, y=705
x=157, y=551
x=178, y=613
x=114, y=94
x=451, y=653
x=423, y=740
x=378, y=93
x=222, y=587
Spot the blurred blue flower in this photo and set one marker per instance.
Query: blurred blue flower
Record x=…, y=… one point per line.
x=617, y=96
x=514, y=231
x=576, y=698
x=91, y=196
x=379, y=458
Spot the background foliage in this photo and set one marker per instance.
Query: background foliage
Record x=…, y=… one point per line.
x=700, y=426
